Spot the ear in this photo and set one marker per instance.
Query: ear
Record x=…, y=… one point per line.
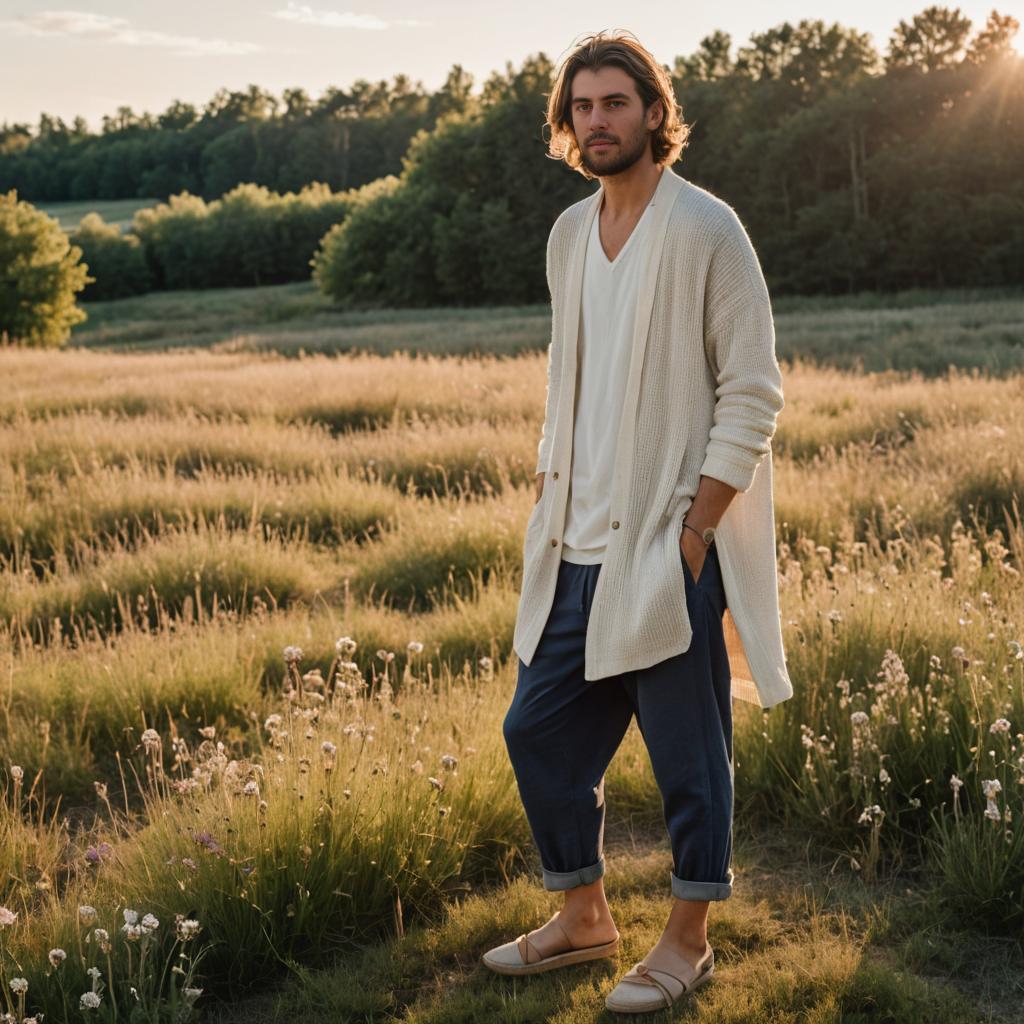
x=657, y=111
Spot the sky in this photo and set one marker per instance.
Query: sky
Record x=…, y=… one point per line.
x=88, y=60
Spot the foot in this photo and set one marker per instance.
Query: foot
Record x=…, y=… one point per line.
x=661, y=978
x=667, y=955
x=558, y=943
x=560, y=934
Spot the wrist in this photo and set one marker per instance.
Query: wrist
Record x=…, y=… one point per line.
x=705, y=534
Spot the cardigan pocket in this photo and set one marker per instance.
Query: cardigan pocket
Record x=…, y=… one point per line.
x=536, y=513
x=710, y=572
x=540, y=501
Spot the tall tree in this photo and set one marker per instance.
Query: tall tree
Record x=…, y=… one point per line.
x=931, y=40
x=995, y=40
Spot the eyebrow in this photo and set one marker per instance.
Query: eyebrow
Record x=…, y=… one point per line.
x=609, y=96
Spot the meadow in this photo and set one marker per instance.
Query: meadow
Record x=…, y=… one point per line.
x=113, y=211
x=260, y=572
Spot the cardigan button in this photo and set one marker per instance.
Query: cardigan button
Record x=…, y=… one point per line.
x=615, y=524
x=554, y=542
x=555, y=474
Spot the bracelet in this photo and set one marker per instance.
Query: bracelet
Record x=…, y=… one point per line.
x=687, y=526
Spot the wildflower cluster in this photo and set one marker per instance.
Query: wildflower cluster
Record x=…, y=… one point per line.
x=115, y=979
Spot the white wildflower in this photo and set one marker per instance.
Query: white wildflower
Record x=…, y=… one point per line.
x=990, y=787
x=132, y=930
x=870, y=814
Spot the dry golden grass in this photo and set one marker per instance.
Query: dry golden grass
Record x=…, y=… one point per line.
x=173, y=522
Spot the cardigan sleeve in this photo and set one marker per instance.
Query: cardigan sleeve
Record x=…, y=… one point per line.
x=739, y=338
x=554, y=371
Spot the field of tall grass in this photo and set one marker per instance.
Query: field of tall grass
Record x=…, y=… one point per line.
x=255, y=629
x=917, y=329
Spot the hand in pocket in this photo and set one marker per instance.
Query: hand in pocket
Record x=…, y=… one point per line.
x=693, y=552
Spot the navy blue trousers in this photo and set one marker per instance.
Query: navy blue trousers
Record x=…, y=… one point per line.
x=562, y=731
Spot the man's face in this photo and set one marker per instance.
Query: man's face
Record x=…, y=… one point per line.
x=612, y=128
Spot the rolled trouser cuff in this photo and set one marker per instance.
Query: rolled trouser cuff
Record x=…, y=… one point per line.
x=559, y=880
x=701, y=890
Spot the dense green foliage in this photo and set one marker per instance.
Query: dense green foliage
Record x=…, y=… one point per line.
x=115, y=260
x=851, y=174
x=40, y=273
x=251, y=236
x=345, y=139
x=852, y=170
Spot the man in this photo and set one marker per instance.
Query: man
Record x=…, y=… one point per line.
x=654, y=516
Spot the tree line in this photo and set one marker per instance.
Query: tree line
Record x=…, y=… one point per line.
x=853, y=170
x=344, y=139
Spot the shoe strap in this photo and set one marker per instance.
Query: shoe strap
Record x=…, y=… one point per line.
x=648, y=973
x=532, y=945
x=565, y=933
x=528, y=945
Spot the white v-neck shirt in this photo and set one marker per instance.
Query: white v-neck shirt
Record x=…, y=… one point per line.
x=607, y=314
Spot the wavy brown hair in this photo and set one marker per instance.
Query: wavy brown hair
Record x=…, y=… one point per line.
x=619, y=49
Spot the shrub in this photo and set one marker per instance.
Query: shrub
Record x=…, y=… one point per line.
x=40, y=273
x=117, y=260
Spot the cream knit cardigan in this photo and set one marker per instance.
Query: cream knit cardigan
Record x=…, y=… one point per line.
x=702, y=397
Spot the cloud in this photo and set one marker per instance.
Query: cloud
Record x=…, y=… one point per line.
x=107, y=29
x=303, y=14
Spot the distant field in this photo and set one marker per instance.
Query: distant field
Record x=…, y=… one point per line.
x=113, y=211
x=175, y=521
x=908, y=330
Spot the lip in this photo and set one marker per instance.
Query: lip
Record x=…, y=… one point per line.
x=600, y=144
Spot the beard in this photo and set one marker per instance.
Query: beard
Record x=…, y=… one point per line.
x=629, y=151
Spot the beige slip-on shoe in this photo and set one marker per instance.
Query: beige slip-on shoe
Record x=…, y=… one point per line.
x=520, y=956
x=645, y=989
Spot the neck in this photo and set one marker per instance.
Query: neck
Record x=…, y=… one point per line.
x=631, y=190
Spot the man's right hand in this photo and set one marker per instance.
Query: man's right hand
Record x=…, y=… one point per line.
x=538, y=485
